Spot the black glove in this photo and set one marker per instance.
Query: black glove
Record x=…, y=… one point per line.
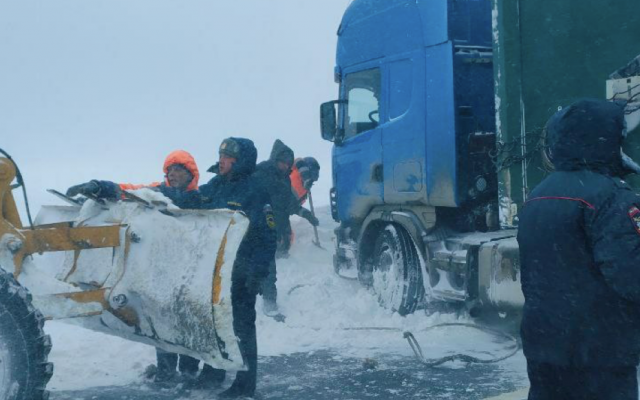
x=284, y=244
x=88, y=189
x=282, y=253
x=308, y=183
x=308, y=215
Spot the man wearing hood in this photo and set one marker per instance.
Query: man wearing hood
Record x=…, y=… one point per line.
x=273, y=175
x=181, y=187
x=234, y=188
x=305, y=172
x=579, y=238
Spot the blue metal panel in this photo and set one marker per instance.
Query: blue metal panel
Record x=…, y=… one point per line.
x=441, y=127
x=404, y=140
x=372, y=29
x=353, y=163
x=435, y=24
x=470, y=22
x=475, y=108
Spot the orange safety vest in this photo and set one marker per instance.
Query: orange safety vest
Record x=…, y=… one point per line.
x=297, y=185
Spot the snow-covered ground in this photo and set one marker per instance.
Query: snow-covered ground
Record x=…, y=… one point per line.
x=319, y=306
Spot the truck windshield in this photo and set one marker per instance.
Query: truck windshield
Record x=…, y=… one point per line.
x=362, y=92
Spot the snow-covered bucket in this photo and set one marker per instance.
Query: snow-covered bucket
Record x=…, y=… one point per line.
x=168, y=284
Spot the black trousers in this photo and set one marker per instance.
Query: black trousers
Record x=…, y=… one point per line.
x=167, y=363
x=243, y=298
x=269, y=291
x=553, y=382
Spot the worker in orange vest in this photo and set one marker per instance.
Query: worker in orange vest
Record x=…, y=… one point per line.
x=180, y=185
x=304, y=174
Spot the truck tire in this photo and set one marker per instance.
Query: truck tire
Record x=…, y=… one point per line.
x=397, y=276
x=24, y=348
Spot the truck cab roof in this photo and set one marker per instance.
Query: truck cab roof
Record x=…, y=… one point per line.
x=372, y=29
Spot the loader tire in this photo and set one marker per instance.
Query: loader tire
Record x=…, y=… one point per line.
x=24, y=348
x=397, y=276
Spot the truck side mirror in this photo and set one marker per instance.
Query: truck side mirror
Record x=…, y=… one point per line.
x=329, y=120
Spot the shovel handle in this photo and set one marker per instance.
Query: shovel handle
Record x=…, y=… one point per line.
x=315, y=228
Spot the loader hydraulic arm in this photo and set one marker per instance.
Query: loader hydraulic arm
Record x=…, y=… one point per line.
x=21, y=242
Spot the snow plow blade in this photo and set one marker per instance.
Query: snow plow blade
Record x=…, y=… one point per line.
x=166, y=281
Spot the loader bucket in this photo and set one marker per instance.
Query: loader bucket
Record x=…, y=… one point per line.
x=167, y=283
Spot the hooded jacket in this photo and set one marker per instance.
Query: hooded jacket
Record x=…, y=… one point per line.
x=188, y=198
x=579, y=238
x=281, y=152
x=239, y=191
x=278, y=184
x=304, y=173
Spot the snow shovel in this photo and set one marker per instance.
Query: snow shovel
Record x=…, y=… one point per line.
x=316, y=240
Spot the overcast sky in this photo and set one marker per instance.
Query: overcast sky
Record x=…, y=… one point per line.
x=107, y=88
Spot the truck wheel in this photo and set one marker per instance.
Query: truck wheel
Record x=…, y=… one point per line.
x=397, y=278
x=24, y=348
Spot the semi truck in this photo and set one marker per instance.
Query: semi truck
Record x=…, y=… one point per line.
x=438, y=134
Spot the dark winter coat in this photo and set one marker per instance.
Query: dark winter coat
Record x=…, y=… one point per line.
x=278, y=185
x=239, y=191
x=579, y=237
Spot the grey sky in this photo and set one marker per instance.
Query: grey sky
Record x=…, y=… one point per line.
x=107, y=88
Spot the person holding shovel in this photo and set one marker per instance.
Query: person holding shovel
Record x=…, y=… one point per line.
x=305, y=172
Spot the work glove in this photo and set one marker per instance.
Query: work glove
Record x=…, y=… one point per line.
x=91, y=188
x=308, y=215
x=308, y=183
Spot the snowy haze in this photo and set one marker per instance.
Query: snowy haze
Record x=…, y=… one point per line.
x=107, y=88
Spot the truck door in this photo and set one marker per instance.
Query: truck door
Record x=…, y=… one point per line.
x=357, y=171
x=404, y=133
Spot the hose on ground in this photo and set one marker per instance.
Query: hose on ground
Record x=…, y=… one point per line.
x=417, y=350
x=348, y=278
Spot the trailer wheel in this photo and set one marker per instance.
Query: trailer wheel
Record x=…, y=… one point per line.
x=24, y=348
x=397, y=278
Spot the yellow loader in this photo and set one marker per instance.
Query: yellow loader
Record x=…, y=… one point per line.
x=142, y=270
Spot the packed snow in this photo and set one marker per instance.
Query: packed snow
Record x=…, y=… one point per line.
x=322, y=311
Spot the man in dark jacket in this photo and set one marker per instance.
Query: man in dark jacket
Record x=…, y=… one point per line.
x=579, y=237
x=234, y=188
x=273, y=175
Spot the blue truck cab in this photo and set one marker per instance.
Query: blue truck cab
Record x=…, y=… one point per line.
x=438, y=134
x=413, y=128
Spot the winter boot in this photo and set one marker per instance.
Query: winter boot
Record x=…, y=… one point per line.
x=210, y=378
x=188, y=367
x=269, y=307
x=234, y=393
x=166, y=374
x=243, y=386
